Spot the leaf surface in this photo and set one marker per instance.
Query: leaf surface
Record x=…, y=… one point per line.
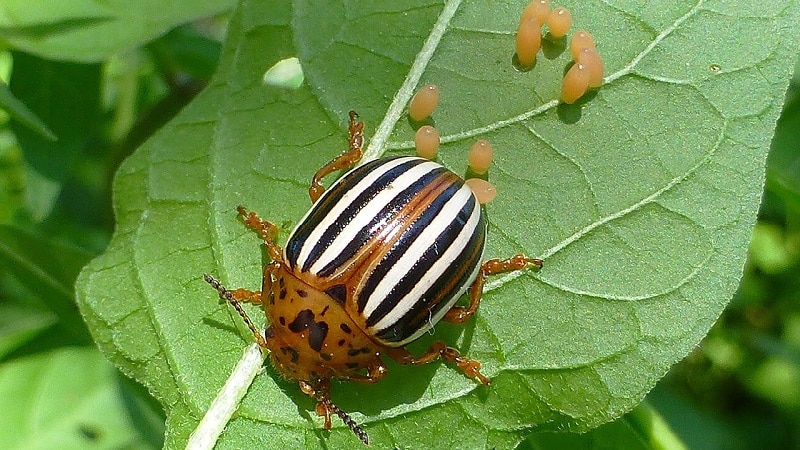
x=92, y=30
x=641, y=198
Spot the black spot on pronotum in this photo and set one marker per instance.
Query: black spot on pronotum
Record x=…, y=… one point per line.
x=282, y=320
x=302, y=293
x=338, y=293
x=351, y=365
x=282, y=294
x=345, y=328
x=353, y=352
x=341, y=342
x=295, y=354
x=316, y=330
x=326, y=356
x=324, y=310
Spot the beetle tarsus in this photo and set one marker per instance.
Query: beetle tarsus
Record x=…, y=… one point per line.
x=344, y=161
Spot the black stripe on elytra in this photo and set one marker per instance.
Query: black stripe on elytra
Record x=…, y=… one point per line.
x=383, y=219
x=434, y=212
x=322, y=206
x=353, y=208
x=437, y=295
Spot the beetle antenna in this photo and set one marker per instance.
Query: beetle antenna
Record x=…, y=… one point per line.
x=357, y=430
x=227, y=295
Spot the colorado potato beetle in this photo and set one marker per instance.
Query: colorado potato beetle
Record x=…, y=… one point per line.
x=381, y=257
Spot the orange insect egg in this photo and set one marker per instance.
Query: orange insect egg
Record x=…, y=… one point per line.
x=480, y=156
x=581, y=39
x=576, y=82
x=424, y=102
x=591, y=59
x=427, y=142
x=559, y=22
x=529, y=41
x=484, y=191
x=539, y=9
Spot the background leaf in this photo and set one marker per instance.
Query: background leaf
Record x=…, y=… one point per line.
x=87, y=30
x=21, y=113
x=70, y=399
x=641, y=197
x=75, y=118
x=47, y=268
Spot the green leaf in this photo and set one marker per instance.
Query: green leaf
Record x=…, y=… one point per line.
x=68, y=399
x=641, y=198
x=48, y=268
x=12, y=177
x=19, y=324
x=784, y=159
x=21, y=113
x=67, y=96
x=91, y=31
x=641, y=429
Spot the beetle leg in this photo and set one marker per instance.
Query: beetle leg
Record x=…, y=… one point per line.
x=266, y=229
x=460, y=314
x=437, y=350
x=344, y=161
x=229, y=296
x=375, y=372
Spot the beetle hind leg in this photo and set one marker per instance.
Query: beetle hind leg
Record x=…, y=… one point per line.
x=460, y=314
x=440, y=350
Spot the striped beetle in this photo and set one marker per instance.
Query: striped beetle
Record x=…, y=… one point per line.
x=378, y=260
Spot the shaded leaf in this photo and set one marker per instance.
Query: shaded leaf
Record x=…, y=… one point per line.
x=67, y=96
x=48, y=268
x=12, y=177
x=641, y=198
x=22, y=114
x=19, y=325
x=641, y=429
x=89, y=31
x=784, y=157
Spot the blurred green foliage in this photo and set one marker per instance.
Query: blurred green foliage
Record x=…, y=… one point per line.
x=739, y=390
x=55, y=215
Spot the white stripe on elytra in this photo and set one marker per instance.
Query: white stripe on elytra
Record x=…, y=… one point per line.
x=339, y=206
x=447, y=306
x=368, y=211
x=416, y=251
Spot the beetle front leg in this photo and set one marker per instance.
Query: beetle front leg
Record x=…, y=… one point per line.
x=460, y=314
x=344, y=161
x=440, y=350
x=266, y=229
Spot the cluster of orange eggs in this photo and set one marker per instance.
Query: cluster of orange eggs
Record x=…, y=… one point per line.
x=427, y=140
x=585, y=73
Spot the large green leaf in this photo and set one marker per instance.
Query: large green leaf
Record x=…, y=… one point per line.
x=90, y=30
x=641, y=198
